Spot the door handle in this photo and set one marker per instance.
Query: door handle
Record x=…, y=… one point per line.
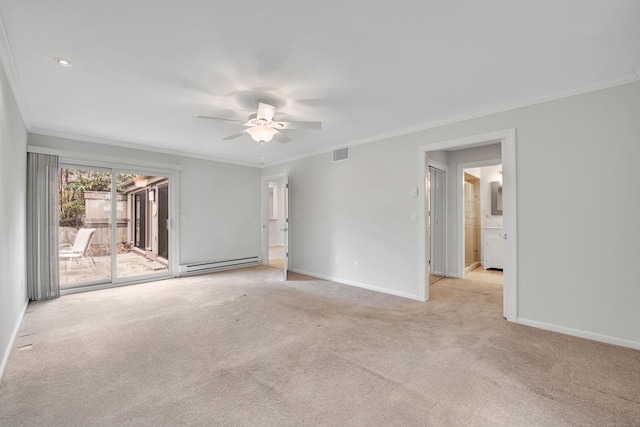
x=284, y=229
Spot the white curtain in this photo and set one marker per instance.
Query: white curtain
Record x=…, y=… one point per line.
x=42, y=226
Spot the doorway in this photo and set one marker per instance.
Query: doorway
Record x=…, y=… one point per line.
x=275, y=222
x=507, y=140
x=472, y=221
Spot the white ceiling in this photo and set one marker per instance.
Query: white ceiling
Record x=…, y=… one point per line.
x=144, y=69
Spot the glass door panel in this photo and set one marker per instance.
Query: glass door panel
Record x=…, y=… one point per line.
x=163, y=222
x=142, y=238
x=84, y=226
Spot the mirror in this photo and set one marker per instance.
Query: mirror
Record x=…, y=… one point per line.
x=496, y=198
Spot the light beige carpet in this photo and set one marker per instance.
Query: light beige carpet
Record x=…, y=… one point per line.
x=241, y=348
x=479, y=274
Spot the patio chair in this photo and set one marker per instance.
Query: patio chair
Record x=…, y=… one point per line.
x=79, y=249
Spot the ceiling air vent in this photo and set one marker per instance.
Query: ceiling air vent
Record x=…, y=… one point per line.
x=341, y=154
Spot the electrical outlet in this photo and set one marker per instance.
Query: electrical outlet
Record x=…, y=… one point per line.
x=355, y=264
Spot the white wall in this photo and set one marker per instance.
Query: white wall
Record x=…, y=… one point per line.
x=13, y=202
x=222, y=203
x=219, y=202
x=358, y=210
x=576, y=269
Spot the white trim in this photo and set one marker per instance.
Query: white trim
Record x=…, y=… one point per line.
x=137, y=146
x=12, y=340
x=580, y=333
x=100, y=286
x=509, y=226
x=357, y=284
x=617, y=80
x=73, y=157
x=438, y=165
x=423, y=237
x=459, y=270
x=507, y=138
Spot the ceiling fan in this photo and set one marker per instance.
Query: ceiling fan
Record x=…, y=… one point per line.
x=262, y=128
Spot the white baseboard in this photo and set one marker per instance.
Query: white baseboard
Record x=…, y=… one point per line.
x=356, y=284
x=14, y=335
x=580, y=334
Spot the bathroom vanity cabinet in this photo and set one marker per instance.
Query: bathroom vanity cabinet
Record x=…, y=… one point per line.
x=493, y=247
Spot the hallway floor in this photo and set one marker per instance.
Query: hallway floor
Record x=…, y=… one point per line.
x=276, y=256
x=488, y=276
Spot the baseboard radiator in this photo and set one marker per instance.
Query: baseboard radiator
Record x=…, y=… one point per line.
x=211, y=266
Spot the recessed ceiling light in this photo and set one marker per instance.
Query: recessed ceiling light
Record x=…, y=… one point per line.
x=64, y=62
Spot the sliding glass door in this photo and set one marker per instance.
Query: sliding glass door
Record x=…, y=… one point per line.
x=113, y=226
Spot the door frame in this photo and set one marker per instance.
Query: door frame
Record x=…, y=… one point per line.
x=507, y=140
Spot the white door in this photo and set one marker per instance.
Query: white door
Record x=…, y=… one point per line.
x=285, y=230
x=437, y=236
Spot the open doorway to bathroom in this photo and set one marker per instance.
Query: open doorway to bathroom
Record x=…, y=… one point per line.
x=483, y=244
x=471, y=221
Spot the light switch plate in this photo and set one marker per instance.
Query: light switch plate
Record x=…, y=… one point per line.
x=414, y=192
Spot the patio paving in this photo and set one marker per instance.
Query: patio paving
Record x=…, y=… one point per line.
x=128, y=265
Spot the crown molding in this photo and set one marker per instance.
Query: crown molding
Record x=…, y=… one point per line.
x=605, y=83
x=6, y=57
x=141, y=147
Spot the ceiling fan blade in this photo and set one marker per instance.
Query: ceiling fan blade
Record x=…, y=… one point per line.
x=281, y=138
x=266, y=111
x=235, y=135
x=219, y=118
x=301, y=125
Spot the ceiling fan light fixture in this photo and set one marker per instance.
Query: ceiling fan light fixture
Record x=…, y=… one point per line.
x=261, y=133
x=64, y=62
